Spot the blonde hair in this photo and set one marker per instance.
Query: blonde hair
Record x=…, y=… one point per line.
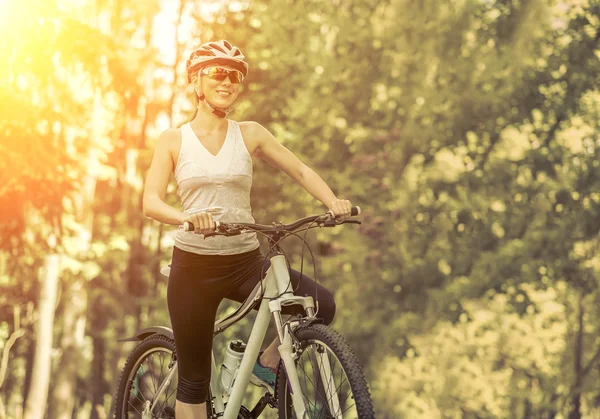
x=196, y=111
x=196, y=97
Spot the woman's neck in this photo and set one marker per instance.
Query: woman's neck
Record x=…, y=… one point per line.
x=206, y=121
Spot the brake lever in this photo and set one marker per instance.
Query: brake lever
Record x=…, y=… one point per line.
x=222, y=230
x=219, y=233
x=334, y=222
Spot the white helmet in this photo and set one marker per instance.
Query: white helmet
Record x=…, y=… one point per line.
x=219, y=52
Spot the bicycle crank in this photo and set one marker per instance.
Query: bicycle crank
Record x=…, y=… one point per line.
x=265, y=400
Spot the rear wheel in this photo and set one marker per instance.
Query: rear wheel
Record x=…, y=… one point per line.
x=147, y=367
x=331, y=379
x=145, y=370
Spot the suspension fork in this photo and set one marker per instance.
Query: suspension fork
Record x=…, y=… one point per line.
x=286, y=352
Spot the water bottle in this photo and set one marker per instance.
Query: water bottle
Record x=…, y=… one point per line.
x=231, y=364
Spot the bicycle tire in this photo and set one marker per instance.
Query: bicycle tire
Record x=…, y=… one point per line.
x=337, y=345
x=152, y=343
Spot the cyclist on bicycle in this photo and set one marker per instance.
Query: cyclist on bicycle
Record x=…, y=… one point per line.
x=211, y=158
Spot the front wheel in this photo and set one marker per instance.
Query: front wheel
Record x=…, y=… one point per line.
x=331, y=378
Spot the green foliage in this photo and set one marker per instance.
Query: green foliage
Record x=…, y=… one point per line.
x=486, y=364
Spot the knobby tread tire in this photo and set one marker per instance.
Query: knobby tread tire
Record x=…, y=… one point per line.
x=347, y=359
x=152, y=341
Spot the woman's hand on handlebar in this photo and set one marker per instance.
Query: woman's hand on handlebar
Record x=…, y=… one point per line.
x=202, y=221
x=341, y=208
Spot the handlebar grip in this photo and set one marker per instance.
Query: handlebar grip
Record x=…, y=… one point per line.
x=354, y=211
x=187, y=226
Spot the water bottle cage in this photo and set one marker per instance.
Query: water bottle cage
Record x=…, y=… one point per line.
x=233, y=373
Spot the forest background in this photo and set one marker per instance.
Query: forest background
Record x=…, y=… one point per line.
x=467, y=130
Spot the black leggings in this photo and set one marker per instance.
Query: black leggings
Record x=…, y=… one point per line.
x=197, y=285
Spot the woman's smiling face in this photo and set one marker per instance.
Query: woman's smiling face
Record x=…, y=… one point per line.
x=220, y=93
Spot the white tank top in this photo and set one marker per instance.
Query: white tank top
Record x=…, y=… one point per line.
x=220, y=184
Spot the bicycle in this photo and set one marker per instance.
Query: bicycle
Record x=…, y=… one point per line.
x=307, y=345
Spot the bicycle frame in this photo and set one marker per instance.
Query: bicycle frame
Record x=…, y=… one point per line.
x=277, y=288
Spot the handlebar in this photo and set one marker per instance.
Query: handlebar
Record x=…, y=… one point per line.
x=233, y=229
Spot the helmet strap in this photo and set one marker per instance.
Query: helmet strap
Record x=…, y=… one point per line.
x=220, y=112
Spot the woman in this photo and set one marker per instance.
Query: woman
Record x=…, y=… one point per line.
x=211, y=158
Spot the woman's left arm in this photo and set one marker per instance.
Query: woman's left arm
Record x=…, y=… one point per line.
x=274, y=153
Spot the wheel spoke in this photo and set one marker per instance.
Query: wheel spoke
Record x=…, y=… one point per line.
x=140, y=413
x=152, y=375
x=139, y=393
x=160, y=381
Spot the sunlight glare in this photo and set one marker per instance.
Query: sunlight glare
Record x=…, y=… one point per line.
x=4, y=13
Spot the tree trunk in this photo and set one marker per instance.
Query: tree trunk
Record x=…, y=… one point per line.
x=29, y=355
x=98, y=384
x=38, y=390
x=527, y=408
x=18, y=332
x=575, y=411
x=552, y=411
x=99, y=315
x=8, y=381
x=115, y=363
x=64, y=383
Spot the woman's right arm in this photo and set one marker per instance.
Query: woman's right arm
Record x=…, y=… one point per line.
x=155, y=189
x=157, y=180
